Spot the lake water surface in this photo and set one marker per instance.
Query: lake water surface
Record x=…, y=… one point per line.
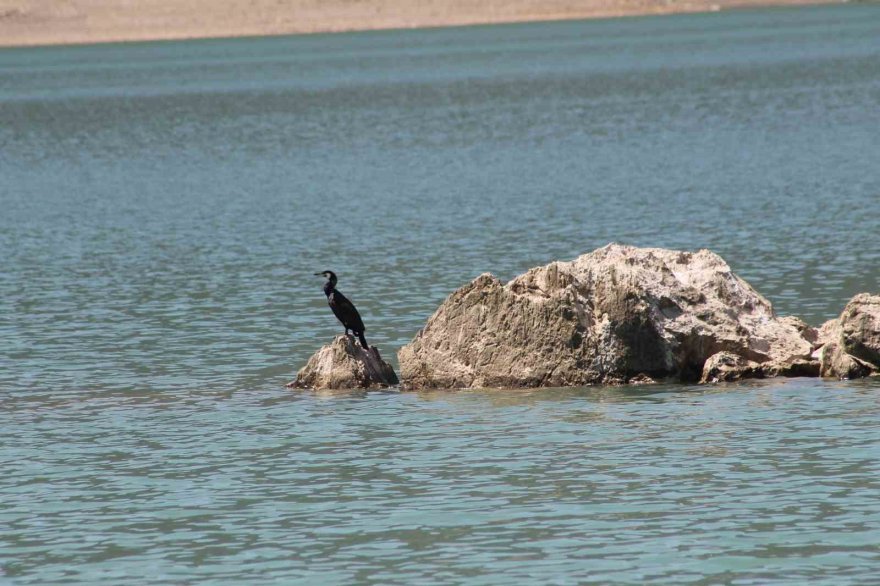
x=164, y=205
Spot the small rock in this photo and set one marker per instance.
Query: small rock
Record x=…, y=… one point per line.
x=835, y=362
x=726, y=366
x=343, y=364
x=860, y=328
x=851, y=343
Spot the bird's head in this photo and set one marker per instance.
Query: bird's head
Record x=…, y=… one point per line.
x=329, y=275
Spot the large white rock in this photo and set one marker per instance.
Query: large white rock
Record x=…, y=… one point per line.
x=343, y=364
x=617, y=314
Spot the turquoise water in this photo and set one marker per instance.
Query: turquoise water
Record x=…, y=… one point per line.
x=165, y=205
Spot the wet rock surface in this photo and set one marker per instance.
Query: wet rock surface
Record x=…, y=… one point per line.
x=343, y=364
x=619, y=314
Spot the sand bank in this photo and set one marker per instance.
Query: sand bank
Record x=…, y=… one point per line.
x=49, y=22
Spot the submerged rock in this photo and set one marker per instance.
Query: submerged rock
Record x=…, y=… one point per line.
x=616, y=315
x=851, y=343
x=343, y=364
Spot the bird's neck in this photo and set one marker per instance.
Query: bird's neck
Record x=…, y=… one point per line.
x=328, y=288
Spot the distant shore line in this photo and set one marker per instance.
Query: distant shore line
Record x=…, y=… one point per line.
x=28, y=23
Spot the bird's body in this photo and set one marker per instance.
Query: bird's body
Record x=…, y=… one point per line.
x=343, y=309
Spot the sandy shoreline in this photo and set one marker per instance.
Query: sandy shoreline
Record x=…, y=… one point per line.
x=53, y=22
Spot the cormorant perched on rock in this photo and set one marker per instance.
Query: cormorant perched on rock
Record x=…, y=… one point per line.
x=343, y=309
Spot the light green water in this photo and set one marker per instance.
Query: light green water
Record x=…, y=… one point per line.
x=162, y=210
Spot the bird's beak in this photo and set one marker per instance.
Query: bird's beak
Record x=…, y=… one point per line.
x=319, y=274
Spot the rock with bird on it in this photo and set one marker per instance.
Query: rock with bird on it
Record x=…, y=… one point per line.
x=344, y=364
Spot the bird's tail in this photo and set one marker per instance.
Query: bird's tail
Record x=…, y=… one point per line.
x=363, y=340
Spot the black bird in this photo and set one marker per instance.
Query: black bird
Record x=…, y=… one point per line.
x=343, y=309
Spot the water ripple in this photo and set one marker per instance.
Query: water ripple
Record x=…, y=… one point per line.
x=771, y=481
x=165, y=205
